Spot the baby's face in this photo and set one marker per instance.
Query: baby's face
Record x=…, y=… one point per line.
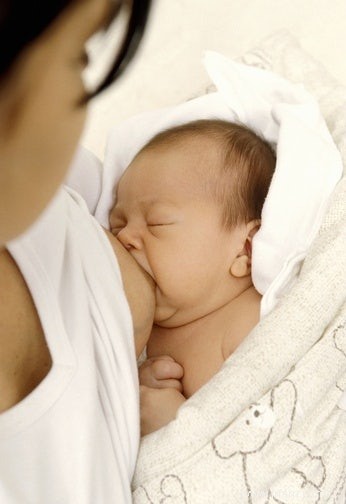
x=172, y=227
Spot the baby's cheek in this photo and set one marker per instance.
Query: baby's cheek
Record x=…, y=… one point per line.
x=184, y=291
x=177, y=275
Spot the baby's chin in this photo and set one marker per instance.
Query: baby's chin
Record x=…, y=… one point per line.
x=163, y=311
x=165, y=316
x=170, y=318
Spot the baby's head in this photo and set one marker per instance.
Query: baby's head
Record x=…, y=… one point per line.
x=187, y=208
x=240, y=169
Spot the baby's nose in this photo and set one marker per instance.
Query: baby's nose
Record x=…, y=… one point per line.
x=130, y=238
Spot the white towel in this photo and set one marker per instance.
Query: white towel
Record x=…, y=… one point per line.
x=307, y=170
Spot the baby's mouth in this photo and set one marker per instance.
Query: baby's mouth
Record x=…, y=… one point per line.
x=157, y=293
x=143, y=263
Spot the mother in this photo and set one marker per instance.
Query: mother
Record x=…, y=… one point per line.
x=68, y=378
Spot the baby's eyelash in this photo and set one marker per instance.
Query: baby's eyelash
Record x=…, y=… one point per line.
x=160, y=225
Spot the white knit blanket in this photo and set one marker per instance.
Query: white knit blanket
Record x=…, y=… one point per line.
x=270, y=427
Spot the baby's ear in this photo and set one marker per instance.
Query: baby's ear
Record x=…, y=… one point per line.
x=252, y=228
x=241, y=266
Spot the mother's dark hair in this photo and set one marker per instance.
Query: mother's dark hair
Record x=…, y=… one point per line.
x=21, y=21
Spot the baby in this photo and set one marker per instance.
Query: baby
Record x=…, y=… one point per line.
x=187, y=208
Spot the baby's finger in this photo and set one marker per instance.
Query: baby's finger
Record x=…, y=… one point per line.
x=165, y=384
x=148, y=362
x=146, y=376
x=161, y=369
x=164, y=369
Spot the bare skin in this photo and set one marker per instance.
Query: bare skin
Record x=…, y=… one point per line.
x=205, y=300
x=41, y=115
x=202, y=346
x=191, y=354
x=25, y=358
x=140, y=293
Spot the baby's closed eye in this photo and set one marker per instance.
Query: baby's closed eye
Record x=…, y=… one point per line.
x=158, y=224
x=159, y=228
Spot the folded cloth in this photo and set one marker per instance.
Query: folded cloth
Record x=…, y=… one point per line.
x=307, y=169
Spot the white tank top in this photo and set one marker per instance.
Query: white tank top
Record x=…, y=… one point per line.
x=74, y=439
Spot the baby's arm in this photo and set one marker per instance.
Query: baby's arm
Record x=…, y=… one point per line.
x=158, y=407
x=161, y=387
x=161, y=372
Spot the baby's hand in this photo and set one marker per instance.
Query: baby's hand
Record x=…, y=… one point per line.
x=158, y=407
x=161, y=372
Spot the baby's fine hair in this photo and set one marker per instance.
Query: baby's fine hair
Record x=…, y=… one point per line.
x=247, y=164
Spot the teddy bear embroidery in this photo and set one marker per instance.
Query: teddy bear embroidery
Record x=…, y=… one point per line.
x=339, y=339
x=171, y=489
x=262, y=432
x=262, y=435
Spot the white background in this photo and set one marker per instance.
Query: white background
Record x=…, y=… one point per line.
x=168, y=68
